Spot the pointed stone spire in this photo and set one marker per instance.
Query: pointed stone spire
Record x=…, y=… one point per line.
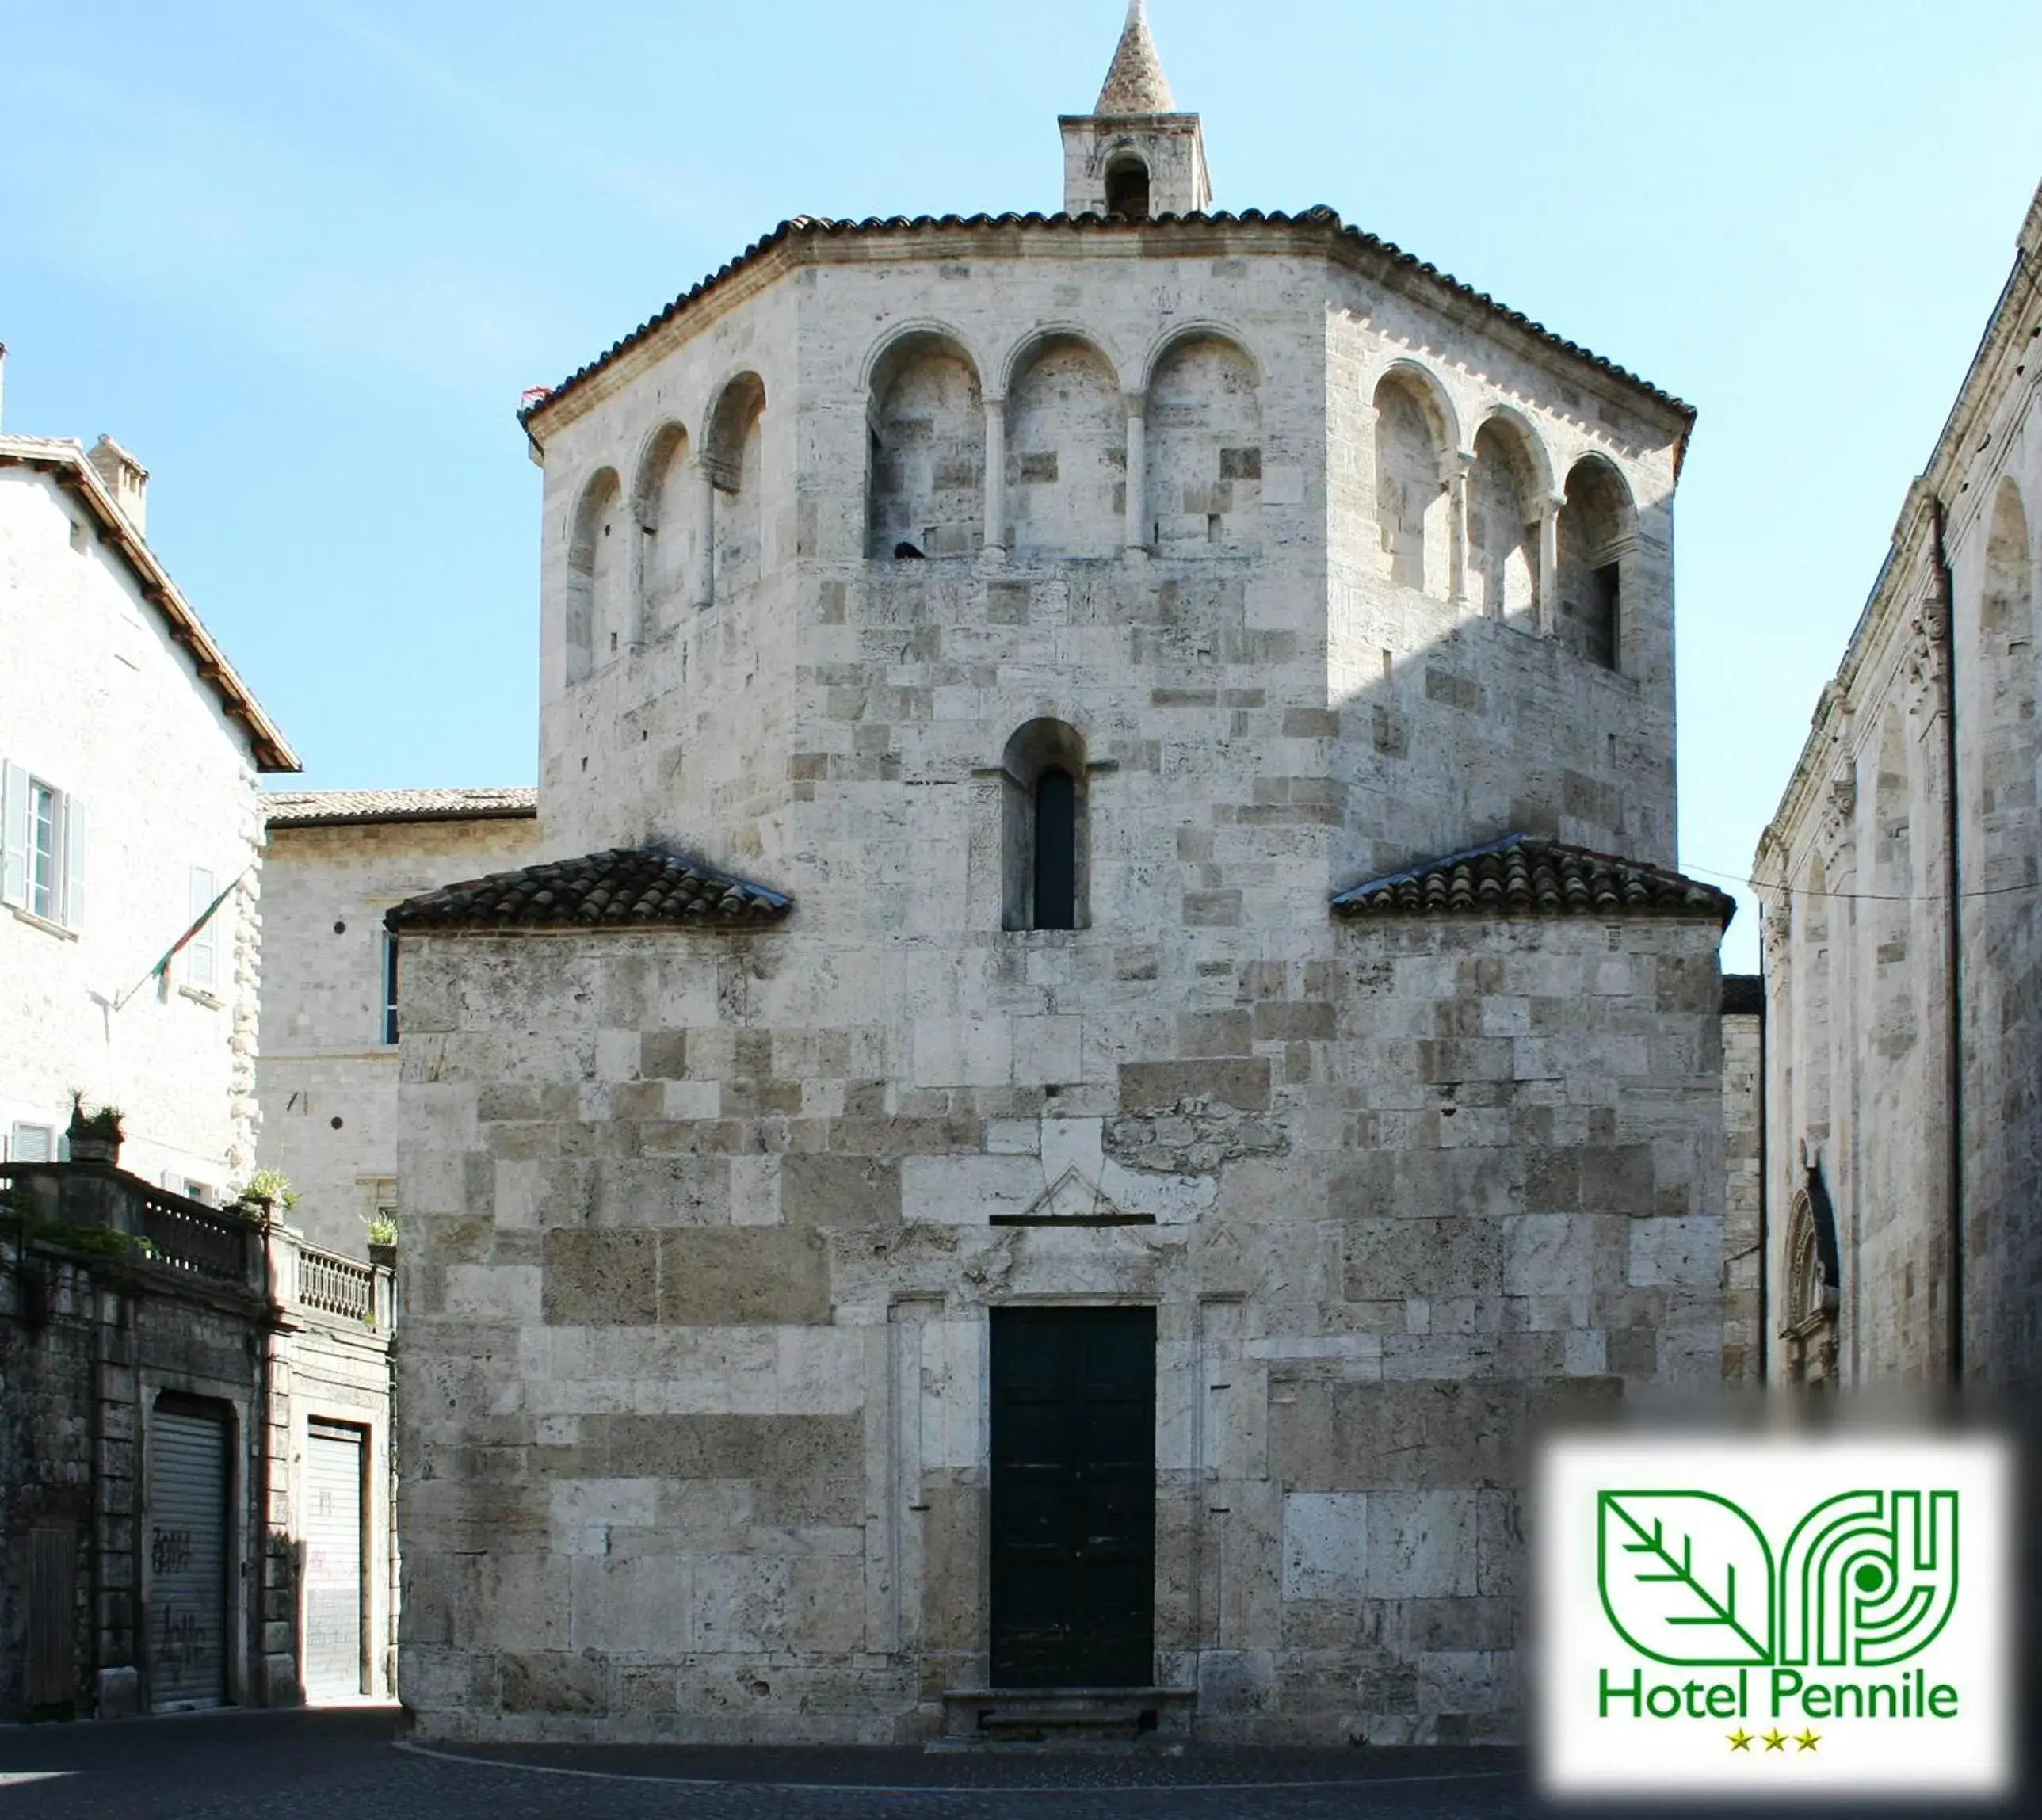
x=1134, y=155
x=1136, y=84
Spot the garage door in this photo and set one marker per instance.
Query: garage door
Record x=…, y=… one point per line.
x=188, y=1552
x=333, y=1563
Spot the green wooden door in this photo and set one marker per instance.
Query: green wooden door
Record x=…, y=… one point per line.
x=1073, y=1497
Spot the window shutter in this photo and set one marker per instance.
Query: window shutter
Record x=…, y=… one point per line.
x=14, y=857
x=74, y=840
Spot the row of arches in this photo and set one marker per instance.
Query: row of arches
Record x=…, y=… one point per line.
x=689, y=529
x=1064, y=461
x=1066, y=464
x=1485, y=527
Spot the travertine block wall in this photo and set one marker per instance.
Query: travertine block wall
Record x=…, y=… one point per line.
x=1241, y=364
x=327, y=1082
x=1744, y=1189
x=696, y=1286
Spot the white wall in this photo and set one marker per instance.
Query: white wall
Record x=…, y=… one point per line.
x=102, y=704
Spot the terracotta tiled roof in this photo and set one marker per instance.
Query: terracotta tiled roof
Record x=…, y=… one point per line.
x=626, y=887
x=337, y=808
x=805, y=226
x=1524, y=876
x=63, y=459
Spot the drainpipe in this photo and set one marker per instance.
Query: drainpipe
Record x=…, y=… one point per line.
x=1942, y=628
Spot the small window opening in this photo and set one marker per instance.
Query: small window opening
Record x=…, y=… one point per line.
x=1127, y=189
x=1601, y=631
x=389, y=993
x=1056, y=894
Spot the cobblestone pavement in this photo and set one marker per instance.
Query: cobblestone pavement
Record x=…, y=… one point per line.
x=349, y=1765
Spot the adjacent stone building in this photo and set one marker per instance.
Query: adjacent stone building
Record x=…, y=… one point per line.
x=1903, y=953
x=129, y=753
x=327, y=1072
x=194, y=1455
x=1105, y=1024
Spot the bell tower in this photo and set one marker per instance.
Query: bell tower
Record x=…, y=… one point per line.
x=1134, y=155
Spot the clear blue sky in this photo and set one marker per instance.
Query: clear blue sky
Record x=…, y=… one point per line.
x=302, y=258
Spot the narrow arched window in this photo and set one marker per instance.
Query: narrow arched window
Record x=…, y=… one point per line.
x=1044, y=866
x=1055, y=850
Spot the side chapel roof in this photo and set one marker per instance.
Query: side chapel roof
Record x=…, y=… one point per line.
x=624, y=887
x=1523, y=875
x=346, y=809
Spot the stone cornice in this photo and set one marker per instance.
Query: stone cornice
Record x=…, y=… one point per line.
x=1316, y=233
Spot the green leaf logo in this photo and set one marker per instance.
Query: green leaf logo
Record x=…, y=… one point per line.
x=1686, y=1577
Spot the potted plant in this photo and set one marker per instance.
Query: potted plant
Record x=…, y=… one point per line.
x=383, y=1240
x=95, y=1136
x=267, y=1191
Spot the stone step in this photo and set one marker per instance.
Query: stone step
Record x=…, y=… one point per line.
x=1059, y=1715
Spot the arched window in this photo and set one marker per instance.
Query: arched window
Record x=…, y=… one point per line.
x=1808, y=1322
x=1045, y=862
x=1127, y=187
x=1204, y=451
x=666, y=513
x=736, y=455
x=1503, y=527
x=1595, y=527
x=598, y=577
x=1066, y=453
x=1411, y=504
x=926, y=428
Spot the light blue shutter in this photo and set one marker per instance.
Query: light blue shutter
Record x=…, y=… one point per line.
x=74, y=840
x=15, y=855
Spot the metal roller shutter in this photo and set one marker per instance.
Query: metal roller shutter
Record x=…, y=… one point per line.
x=333, y=1564
x=187, y=1653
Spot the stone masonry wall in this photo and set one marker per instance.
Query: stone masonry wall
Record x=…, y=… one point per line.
x=701, y=1248
x=322, y=1058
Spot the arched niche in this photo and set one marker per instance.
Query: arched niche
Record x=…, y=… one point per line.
x=1504, y=509
x=1808, y=1319
x=925, y=423
x=1413, y=506
x=735, y=451
x=666, y=512
x=2003, y=790
x=1595, y=540
x=1892, y=907
x=1203, y=449
x=1066, y=452
x=1045, y=873
x=599, y=576
x=1812, y=971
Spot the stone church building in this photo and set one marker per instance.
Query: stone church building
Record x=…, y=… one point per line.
x=1900, y=877
x=1103, y=1023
